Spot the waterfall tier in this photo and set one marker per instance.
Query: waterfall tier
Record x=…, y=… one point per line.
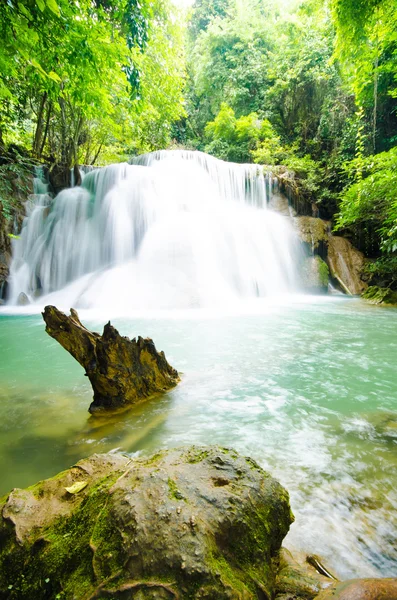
x=176, y=229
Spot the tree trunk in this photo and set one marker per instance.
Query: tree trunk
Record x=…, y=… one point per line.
x=49, y=110
x=122, y=372
x=39, y=126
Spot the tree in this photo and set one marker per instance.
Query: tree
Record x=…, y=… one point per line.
x=71, y=73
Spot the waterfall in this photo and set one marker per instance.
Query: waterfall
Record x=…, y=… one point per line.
x=174, y=229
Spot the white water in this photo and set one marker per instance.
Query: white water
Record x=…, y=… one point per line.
x=178, y=230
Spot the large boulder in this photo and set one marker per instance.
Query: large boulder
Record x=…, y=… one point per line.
x=346, y=264
x=197, y=523
x=121, y=371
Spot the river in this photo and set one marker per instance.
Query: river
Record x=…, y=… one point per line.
x=306, y=385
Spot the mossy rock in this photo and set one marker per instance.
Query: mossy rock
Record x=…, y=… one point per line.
x=312, y=231
x=197, y=522
x=378, y=295
x=315, y=275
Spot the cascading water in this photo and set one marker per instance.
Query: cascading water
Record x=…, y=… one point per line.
x=176, y=229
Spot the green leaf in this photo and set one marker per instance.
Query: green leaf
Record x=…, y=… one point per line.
x=40, y=4
x=24, y=11
x=52, y=75
x=53, y=6
x=76, y=487
x=37, y=66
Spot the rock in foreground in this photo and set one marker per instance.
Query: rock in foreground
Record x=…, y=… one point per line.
x=121, y=371
x=197, y=522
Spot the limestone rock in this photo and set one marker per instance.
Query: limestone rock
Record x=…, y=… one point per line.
x=315, y=275
x=361, y=589
x=314, y=233
x=279, y=203
x=346, y=264
x=121, y=371
x=197, y=523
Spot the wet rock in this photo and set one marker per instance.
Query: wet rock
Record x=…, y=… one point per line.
x=121, y=371
x=361, y=589
x=197, y=522
x=346, y=265
x=279, y=203
x=315, y=275
x=5, y=248
x=314, y=233
x=59, y=177
x=297, y=579
x=23, y=300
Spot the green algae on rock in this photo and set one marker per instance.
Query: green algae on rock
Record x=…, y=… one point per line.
x=315, y=275
x=187, y=523
x=378, y=295
x=121, y=371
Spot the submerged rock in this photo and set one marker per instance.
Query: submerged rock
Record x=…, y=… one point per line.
x=346, y=264
x=121, y=371
x=197, y=522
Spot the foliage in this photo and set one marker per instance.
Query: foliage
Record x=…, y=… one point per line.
x=204, y=11
x=239, y=140
x=371, y=202
x=366, y=45
x=382, y=272
x=70, y=73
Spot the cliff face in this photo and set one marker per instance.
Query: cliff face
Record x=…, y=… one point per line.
x=5, y=251
x=16, y=184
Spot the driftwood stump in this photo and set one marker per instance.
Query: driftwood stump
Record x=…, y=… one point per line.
x=122, y=372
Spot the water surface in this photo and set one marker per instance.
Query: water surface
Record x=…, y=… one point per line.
x=307, y=389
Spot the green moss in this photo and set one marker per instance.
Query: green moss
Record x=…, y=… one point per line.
x=253, y=465
x=64, y=559
x=196, y=455
x=174, y=493
x=323, y=271
x=231, y=576
x=378, y=295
